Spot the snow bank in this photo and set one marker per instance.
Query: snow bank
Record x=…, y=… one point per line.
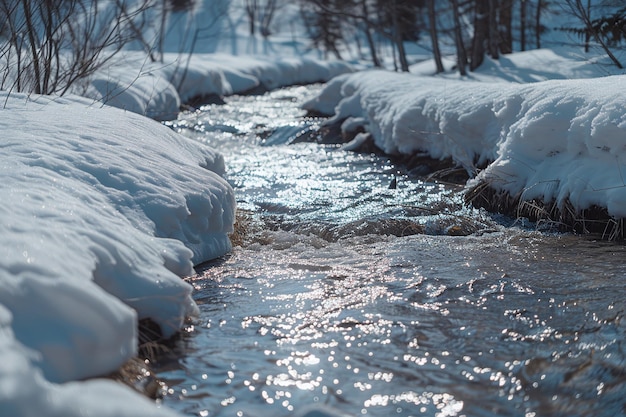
x=553, y=141
x=25, y=392
x=157, y=90
x=103, y=212
x=407, y=114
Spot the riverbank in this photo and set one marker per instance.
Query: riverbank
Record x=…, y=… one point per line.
x=158, y=89
x=108, y=209
x=549, y=150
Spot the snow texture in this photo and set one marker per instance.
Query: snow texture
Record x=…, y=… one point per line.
x=103, y=212
x=25, y=392
x=158, y=89
x=554, y=141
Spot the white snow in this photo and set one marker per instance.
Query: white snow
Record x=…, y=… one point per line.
x=103, y=210
x=157, y=89
x=555, y=141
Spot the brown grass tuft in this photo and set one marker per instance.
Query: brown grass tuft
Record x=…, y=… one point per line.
x=241, y=233
x=594, y=220
x=136, y=374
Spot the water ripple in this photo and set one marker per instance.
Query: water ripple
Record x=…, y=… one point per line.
x=355, y=296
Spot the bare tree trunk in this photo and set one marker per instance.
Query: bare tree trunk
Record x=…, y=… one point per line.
x=268, y=15
x=461, y=55
x=481, y=33
x=251, y=10
x=538, y=23
x=372, y=46
x=588, y=32
x=368, y=35
x=47, y=48
x=32, y=43
x=505, y=19
x=522, y=25
x=492, y=34
x=432, y=24
x=404, y=63
x=398, y=38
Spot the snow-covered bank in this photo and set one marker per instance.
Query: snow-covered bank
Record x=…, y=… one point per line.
x=556, y=142
x=158, y=89
x=103, y=212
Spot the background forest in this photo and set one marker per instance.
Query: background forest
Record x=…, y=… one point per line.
x=473, y=28
x=49, y=46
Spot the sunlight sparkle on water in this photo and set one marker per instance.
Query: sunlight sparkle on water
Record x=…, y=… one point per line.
x=329, y=301
x=324, y=333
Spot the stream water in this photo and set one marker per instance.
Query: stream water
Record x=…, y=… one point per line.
x=351, y=296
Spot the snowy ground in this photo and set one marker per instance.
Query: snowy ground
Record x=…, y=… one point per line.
x=539, y=137
x=161, y=88
x=105, y=210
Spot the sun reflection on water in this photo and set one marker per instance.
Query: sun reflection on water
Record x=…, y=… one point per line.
x=330, y=303
x=400, y=335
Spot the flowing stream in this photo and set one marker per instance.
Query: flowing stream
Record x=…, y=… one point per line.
x=376, y=301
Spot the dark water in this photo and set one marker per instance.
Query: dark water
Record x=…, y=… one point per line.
x=350, y=295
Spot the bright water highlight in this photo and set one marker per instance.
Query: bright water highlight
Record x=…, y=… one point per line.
x=348, y=294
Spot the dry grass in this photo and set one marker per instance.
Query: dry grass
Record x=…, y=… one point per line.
x=250, y=228
x=242, y=228
x=136, y=374
x=452, y=175
x=594, y=220
x=151, y=343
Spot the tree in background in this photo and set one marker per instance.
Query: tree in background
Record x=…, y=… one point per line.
x=493, y=29
x=523, y=23
x=482, y=35
x=505, y=26
x=434, y=35
x=368, y=30
x=541, y=4
x=404, y=23
x=323, y=20
x=459, y=42
x=251, y=7
x=529, y=21
x=397, y=21
x=608, y=30
x=479, y=27
x=51, y=45
x=260, y=14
